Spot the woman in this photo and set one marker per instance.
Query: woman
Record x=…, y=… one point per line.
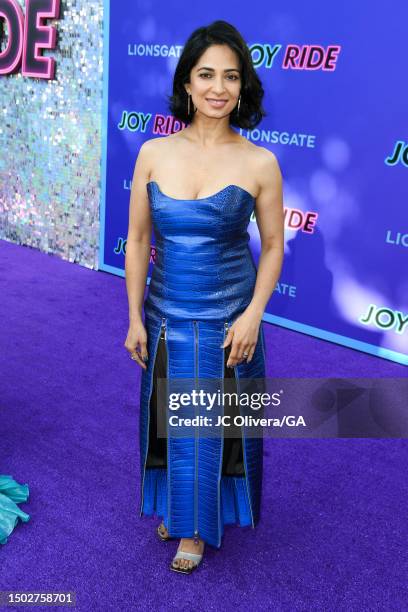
x=203, y=313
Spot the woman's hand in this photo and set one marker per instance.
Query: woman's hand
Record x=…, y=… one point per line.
x=136, y=342
x=243, y=334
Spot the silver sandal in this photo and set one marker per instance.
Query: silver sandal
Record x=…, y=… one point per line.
x=180, y=554
x=163, y=538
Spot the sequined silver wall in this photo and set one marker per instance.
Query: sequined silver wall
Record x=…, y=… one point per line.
x=50, y=142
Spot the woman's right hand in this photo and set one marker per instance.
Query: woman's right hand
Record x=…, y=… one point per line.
x=136, y=342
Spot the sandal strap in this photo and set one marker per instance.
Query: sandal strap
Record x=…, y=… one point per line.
x=180, y=554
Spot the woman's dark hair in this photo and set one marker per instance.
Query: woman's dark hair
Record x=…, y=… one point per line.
x=219, y=33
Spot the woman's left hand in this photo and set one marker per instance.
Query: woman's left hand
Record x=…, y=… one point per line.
x=243, y=334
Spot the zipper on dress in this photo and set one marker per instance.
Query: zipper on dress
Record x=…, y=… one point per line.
x=159, y=336
x=236, y=377
x=222, y=437
x=196, y=536
x=163, y=333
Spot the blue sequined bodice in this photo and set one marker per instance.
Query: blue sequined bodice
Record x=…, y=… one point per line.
x=204, y=268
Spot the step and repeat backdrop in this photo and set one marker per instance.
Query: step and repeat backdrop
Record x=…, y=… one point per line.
x=51, y=73
x=337, y=122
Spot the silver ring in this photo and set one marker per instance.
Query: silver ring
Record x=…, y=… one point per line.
x=245, y=354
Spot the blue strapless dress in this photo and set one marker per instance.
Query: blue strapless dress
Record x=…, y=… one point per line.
x=203, y=279
x=11, y=493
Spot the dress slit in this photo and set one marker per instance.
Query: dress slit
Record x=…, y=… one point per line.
x=232, y=459
x=157, y=449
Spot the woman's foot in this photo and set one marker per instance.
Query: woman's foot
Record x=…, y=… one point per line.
x=162, y=532
x=183, y=562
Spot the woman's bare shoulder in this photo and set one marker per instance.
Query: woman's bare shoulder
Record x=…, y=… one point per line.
x=156, y=146
x=261, y=162
x=265, y=161
x=151, y=152
x=151, y=145
x=261, y=154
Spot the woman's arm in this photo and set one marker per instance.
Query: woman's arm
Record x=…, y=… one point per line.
x=139, y=236
x=138, y=252
x=270, y=221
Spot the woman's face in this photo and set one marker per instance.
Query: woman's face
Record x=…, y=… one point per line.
x=215, y=82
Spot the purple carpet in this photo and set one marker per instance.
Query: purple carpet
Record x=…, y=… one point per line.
x=333, y=532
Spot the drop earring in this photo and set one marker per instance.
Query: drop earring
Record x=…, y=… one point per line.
x=239, y=104
x=188, y=105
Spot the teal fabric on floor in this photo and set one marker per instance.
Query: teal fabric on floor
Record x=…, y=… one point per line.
x=11, y=493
